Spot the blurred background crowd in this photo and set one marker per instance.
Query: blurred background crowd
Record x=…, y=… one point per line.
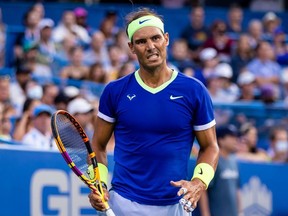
x=65, y=63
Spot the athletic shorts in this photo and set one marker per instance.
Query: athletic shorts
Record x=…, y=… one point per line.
x=124, y=207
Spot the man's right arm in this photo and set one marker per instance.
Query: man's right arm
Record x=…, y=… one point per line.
x=102, y=133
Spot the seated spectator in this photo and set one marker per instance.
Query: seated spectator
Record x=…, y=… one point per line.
x=196, y=32
x=76, y=69
x=83, y=111
x=6, y=125
x=116, y=62
x=23, y=123
x=278, y=144
x=47, y=48
x=220, y=41
x=280, y=47
x=180, y=56
x=97, y=73
x=264, y=67
x=108, y=26
x=68, y=27
x=18, y=93
x=209, y=60
x=247, y=86
x=242, y=55
x=248, y=149
x=40, y=135
x=255, y=32
x=270, y=23
x=81, y=15
x=127, y=68
x=29, y=36
x=228, y=91
x=97, y=52
x=50, y=91
x=234, y=21
x=5, y=90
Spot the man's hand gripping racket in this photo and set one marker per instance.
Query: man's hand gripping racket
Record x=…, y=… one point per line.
x=75, y=148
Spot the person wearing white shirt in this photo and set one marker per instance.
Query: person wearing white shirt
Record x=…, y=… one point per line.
x=40, y=136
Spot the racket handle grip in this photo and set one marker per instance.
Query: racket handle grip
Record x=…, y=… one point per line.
x=109, y=212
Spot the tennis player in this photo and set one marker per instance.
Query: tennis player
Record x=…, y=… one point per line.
x=155, y=114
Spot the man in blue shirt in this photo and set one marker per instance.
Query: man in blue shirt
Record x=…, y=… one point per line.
x=155, y=114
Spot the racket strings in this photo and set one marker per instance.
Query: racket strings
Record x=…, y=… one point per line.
x=73, y=143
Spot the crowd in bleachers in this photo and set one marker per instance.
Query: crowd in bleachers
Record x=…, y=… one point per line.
x=56, y=62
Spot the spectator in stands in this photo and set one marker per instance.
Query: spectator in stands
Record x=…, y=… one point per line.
x=5, y=90
x=39, y=8
x=6, y=114
x=76, y=69
x=127, y=68
x=255, y=32
x=223, y=196
x=248, y=149
x=121, y=41
x=196, y=33
x=270, y=23
x=234, y=21
x=108, y=26
x=34, y=90
x=97, y=51
x=116, y=62
x=50, y=91
x=278, y=144
x=97, y=73
x=81, y=15
x=29, y=36
x=23, y=123
x=67, y=27
x=47, y=48
x=280, y=46
x=220, y=40
x=18, y=87
x=40, y=135
x=180, y=55
x=247, y=84
x=228, y=91
x=83, y=111
x=62, y=55
x=61, y=101
x=242, y=55
x=209, y=60
x=264, y=66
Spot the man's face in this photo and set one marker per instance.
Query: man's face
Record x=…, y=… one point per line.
x=150, y=46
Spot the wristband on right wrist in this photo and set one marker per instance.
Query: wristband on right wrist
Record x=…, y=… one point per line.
x=103, y=171
x=204, y=172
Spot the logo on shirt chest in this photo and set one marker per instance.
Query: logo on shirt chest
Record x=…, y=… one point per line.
x=131, y=96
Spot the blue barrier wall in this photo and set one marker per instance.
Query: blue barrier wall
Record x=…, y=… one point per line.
x=37, y=183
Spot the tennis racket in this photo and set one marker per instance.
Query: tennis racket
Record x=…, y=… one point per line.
x=75, y=148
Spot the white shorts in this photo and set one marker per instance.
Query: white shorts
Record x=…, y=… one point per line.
x=124, y=207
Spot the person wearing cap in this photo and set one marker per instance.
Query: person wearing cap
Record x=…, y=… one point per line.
x=228, y=91
x=47, y=48
x=247, y=85
x=81, y=15
x=40, y=136
x=222, y=195
x=82, y=110
x=155, y=114
x=208, y=61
